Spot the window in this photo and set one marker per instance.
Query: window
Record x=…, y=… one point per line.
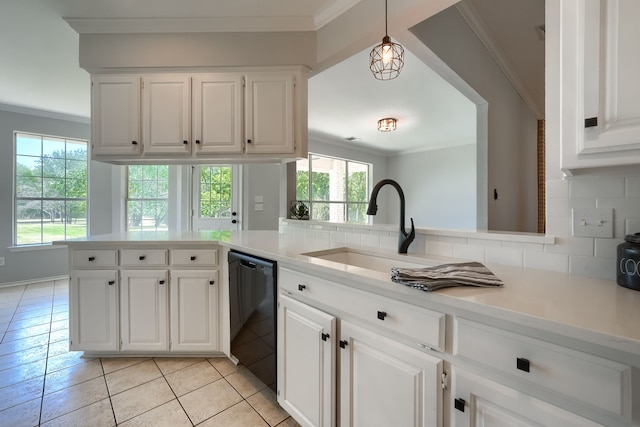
x=215, y=192
x=50, y=189
x=147, y=197
x=335, y=190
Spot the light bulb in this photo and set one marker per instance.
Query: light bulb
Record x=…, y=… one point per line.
x=387, y=54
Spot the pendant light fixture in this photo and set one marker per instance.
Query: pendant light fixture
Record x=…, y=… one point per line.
x=387, y=58
x=387, y=125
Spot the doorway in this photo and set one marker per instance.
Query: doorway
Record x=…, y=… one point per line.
x=215, y=197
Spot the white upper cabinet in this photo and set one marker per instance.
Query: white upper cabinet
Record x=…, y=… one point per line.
x=115, y=115
x=217, y=113
x=166, y=114
x=269, y=113
x=599, y=68
x=225, y=117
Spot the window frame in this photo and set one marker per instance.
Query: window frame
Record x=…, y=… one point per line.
x=167, y=200
x=346, y=202
x=65, y=199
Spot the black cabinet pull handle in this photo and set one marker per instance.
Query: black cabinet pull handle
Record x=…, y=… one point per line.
x=343, y=344
x=325, y=337
x=382, y=315
x=459, y=404
x=192, y=258
x=141, y=257
x=212, y=282
x=111, y=282
x=523, y=364
x=197, y=141
x=134, y=142
x=248, y=141
x=591, y=122
x=92, y=258
x=185, y=142
x=161, y=282
x=302, y=287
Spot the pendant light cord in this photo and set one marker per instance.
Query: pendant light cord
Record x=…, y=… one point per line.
x=386, y=31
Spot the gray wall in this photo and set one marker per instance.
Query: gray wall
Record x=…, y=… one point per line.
x=512, y=127
x=439, y=187
x=35, y=263
x=261, y=180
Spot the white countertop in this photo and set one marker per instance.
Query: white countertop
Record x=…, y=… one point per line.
x=591, y=310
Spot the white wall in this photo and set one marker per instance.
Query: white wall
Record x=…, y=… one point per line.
x=512, y=127
x=261, y=180
x=439, y=187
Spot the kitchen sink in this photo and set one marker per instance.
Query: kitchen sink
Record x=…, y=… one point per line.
x=368, y=260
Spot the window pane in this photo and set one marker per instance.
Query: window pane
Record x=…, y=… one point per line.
x=357, y=213
x=215, y=192
x=28, y=222
x=302, y=179
x=320, y=211
x=358, y=182
x=147, y=194
x=45, y=177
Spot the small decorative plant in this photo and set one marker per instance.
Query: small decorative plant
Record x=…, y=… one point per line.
x=299, y=210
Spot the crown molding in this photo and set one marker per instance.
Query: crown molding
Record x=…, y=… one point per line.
x=471, y=15
x=332, y=12
x=324, y=138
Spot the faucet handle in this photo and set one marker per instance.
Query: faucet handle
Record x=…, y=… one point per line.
x=412, y=234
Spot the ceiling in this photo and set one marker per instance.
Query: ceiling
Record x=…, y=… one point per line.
x=39, y=69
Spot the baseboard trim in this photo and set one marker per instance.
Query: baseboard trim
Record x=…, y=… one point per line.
x=27, y=282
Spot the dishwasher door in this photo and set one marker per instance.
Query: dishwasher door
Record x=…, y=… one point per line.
x=252, y=314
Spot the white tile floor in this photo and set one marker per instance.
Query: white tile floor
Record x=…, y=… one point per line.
x=43, y=383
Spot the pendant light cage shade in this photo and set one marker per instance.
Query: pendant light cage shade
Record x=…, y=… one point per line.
x=386, y=59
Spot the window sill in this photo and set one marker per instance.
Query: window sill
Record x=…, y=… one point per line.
x=32, y=248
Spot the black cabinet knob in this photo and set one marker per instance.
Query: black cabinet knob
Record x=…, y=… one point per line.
x=523, y=364
x=92, y=258
x=343, y=344
x=161, y=282
x=192, y=258
x=302, y=287
x=111, y=282
x=325, y=337
x=234, y=221
x=459, y=404
x=234, y=213
x=197, y=141
x=141, y=257
x=212, y=282
x=382, y=315
x=185, y=142
x=134, y=142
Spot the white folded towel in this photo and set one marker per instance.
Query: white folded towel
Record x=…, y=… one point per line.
x=446, y=275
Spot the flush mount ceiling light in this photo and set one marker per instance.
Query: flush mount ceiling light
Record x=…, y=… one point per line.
x=387, y=58
x=387, y=125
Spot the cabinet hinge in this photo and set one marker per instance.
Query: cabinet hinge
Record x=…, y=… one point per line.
x=443, y=380
x=244, y=82
x=120, y=344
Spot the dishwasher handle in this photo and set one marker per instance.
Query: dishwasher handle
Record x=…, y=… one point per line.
x=248, y=264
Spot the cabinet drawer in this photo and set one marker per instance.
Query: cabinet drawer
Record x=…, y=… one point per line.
x=421, y=324
x=194, y=257
x=591, y=379
x=142, y=257
x=95, y=258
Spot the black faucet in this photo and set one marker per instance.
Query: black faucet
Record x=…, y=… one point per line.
x=404, y=239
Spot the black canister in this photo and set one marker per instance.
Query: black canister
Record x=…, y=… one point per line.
x=628, y=271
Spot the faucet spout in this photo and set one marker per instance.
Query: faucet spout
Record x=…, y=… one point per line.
x=404, y=238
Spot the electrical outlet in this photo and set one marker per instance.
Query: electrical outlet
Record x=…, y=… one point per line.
x=592, y=222
x=1, y=261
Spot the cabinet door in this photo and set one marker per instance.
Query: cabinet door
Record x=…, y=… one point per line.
x=166, y=114
x=306, y=363
x=115, y=115
x=217, y=113
x=477, y=401
x=194, y=310
x=93, y=310
x=269, y=112
x=143, y=310
x=386, y=383
x=601, y=114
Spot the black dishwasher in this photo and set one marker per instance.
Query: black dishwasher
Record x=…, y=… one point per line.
x=252, y=314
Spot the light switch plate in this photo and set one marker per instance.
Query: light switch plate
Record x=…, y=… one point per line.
x=592, y=222
x=258, y=207
x=1, y=261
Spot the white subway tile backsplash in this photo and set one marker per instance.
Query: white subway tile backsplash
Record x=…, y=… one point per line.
x=505, y=256
x=391, y=242
x=581, y=246
x=560, y=226
x=473, y=253
x=632, y=226
x=601, y=268
x=452, y=240
x=606, y=248
x=484, y=242
x=622, y=208
x=592, y=186
x=338, y=236
x=439, y=248
x=546, y=261
x=557, y=189
x=370, y=241
x=353, y=238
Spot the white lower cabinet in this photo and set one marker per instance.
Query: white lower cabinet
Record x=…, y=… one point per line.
x=381, y=381
x=144, y=304
x=94, y=304
x=143, y=310
x=194, y=310
x=477, y=401
x=386, y=383
x=306, y=363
